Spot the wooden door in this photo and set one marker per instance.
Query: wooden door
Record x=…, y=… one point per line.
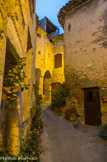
x=92, y=106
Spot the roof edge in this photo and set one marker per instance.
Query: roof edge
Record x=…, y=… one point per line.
x=70, y=7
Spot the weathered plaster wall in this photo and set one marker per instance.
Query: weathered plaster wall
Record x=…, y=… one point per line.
x=85, y=41
x=45, y=52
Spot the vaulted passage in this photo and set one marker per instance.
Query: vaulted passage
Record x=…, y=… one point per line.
x=92, y=106
x=47, y=86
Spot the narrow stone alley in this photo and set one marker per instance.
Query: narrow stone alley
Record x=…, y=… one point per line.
x=63, y=143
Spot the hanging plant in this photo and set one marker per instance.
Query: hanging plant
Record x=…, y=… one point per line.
x=14, y=79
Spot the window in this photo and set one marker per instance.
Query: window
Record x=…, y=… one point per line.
x=39, y=52
x=38, y=35
x=58, y=60
x=69, y=27
x=37, y=78
x=90, y=96
x=29, y=43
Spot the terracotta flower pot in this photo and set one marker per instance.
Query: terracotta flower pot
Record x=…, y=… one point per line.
x=4, y=96
x=4, y=93
x=33, y=111
x=6, y=89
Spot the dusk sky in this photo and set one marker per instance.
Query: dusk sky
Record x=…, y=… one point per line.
x=50, y=9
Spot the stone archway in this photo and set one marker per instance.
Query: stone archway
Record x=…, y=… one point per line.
x=47, y=86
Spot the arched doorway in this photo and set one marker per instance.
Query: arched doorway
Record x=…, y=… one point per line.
x=47, y=86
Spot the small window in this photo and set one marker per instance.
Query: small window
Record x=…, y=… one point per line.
x=58, y=60
x=39, y=52
x=90, y=96
x=69, y=27
x=38, y=35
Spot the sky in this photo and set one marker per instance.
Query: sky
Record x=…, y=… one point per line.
x=50, y=9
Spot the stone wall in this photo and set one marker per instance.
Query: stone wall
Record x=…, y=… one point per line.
x=3, y=25
x=45, y=60
x=58, y=73
x=44, y=56
x=17, y=39
x=85, y=41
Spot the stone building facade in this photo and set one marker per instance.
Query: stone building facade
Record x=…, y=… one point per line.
x=49, y=62
x=17, y=40
x=85, y=59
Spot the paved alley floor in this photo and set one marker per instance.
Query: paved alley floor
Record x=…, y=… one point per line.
x=63, y=143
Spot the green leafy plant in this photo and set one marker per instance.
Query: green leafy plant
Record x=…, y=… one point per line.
x=38, y=97
x=103, y=131
x=59, y=96
x=32, y=145
x=14, y=79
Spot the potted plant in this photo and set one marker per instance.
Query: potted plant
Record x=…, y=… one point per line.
x=5, y=90
x=71, y=114
x=103, y=131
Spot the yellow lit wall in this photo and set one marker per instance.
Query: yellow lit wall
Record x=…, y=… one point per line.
x=17, y=33
x=45, y=61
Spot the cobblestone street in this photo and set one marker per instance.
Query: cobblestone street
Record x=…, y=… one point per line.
x=63, y=143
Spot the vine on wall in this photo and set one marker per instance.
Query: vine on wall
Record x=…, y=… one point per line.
x=14, y=80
